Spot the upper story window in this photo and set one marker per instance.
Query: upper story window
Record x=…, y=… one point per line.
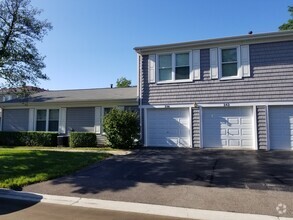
x=165, y=67
x=229, y=63
x=174, y=67
x=182, y=70
x=47, y=120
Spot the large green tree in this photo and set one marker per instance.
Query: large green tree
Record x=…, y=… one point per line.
x=289, y=24
x=20, y=29
x=123, y=82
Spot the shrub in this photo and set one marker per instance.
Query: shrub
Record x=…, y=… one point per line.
x=82, y=139
x=28, y=138
x=121, y=128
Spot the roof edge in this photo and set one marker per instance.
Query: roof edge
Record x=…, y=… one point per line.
x=248, y=37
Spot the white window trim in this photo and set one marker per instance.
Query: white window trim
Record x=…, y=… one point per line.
x=239, y=73
x=47, y=118
x=173, y=80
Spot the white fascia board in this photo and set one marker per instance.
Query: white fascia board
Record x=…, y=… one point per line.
x=227, y=104
x=200, y=44
x=167, y=106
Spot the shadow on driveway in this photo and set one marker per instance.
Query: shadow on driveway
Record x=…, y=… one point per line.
x=211, y=168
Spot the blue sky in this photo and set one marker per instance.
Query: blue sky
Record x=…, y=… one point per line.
x=91, y=44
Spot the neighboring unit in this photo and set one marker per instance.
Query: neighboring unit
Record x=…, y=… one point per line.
x=7, y=94
x=66, y=110
x=234, y=92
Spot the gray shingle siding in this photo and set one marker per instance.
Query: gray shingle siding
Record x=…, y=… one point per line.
x=196, y=127
x=15, y=119
x=271, y=80
x=261, y=115
x=271, y=67
x=80, y=119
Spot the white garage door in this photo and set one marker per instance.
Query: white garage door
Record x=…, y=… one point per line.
x=228, y=127
x=168, y=127
x=281, y=127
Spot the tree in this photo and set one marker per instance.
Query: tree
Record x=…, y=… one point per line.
x=123, y=82
x=20, y=29
x=289, y=24
x=121, y=128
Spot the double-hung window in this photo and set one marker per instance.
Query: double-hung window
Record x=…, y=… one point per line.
x=47, y=120
x=41, y=120
x=182, y=69
x=165, y=67
x=174, y=67
x=229, y=62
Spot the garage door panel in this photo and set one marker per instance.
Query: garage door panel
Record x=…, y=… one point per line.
x=281, y=127
x=228, y=127
x=168, y=127
x=246, y=143
x=246, y=131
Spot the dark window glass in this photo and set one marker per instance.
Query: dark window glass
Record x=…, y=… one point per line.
x=182, y=70
x=53, y=120
x=41, y=120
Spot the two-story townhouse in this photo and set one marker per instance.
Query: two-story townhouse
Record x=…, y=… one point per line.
x=233, y=92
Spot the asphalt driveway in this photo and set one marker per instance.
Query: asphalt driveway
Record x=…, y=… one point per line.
x=240, y=181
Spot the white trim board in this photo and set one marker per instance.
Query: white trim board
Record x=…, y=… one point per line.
x=224, y=104
x=254, y=121
x=167, y=106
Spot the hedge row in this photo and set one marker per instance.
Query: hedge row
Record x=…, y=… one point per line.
x=28, y=138
x=82, y=139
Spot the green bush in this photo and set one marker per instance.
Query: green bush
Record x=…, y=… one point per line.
x=28, y=138
x=121, y=128
x=82, y=139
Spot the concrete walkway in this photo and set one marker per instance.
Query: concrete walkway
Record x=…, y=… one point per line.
x=233, y=181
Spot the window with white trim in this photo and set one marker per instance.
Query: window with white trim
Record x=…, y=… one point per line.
x=174, y=67
x=229, y=61
x=47, y=120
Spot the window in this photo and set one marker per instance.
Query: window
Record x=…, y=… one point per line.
x=229, y=62
x=182, y=66
x=173, y=67
x=47, y=120
x=41, y=120
x=107, y=110
x=53, y=120
x=165, y=67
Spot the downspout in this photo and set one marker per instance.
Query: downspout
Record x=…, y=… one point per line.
x=139, y=94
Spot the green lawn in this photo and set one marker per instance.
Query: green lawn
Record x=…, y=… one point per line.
x=20, y=167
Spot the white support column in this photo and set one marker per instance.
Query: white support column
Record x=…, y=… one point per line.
x=255, y=127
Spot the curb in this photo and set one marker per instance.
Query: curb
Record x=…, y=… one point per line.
x=141, y=208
